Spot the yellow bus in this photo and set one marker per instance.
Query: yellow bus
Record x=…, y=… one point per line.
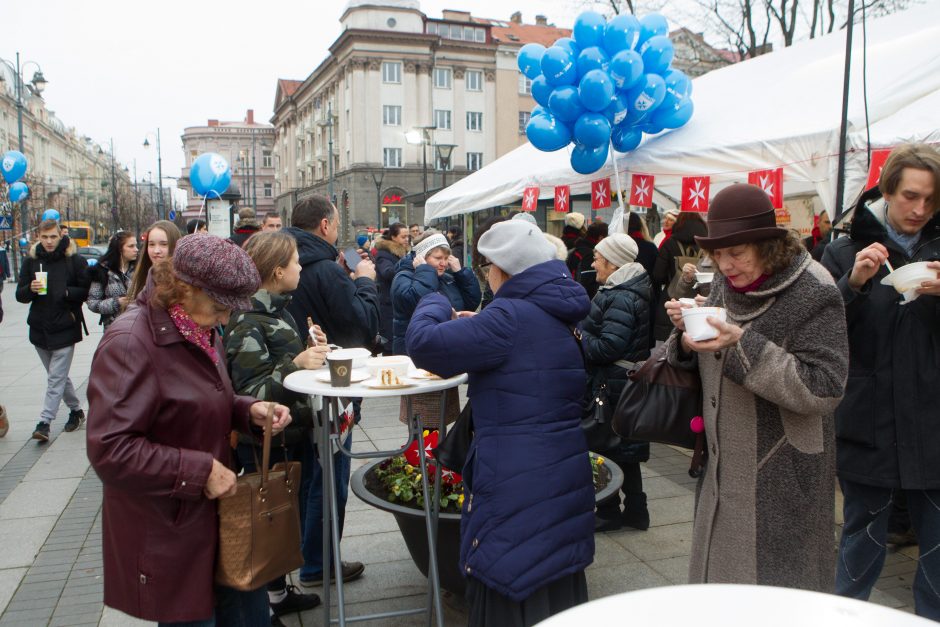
x=81, y=233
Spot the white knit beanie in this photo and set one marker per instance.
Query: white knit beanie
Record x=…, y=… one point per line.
x=515, y=246
x=618, y=248
x=575, y=219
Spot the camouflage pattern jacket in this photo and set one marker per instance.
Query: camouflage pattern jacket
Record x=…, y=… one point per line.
x=260, y=346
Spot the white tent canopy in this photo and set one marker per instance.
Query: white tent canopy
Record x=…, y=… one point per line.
x=779, y=109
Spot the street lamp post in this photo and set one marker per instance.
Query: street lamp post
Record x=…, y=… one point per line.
x=161, y=210
x=444, y=152
x=378, y=198
x=114, y=209
x=36, y=86
x=421, y=136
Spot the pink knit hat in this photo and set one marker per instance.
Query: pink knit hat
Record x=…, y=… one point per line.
x=219, y=267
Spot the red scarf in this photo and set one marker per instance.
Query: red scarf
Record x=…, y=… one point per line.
x=192, y=332
x=749, y=288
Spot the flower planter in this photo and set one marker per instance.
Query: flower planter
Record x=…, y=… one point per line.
x=411, y=524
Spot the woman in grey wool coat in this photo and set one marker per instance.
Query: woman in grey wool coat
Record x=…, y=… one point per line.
x=771, y=381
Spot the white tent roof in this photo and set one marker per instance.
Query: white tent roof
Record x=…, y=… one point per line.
x=779, y=109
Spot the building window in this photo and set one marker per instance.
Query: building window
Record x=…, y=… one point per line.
x=442, y=77
x=474, y=161
x=525, y=85
x=266, y=160
x=523, y=121
x=480, y=35
x=392, y=157
x=474, y=121
x=474, y=80
x=391, y=72
x=442, y=119
x=268, y=190
x=391, y=115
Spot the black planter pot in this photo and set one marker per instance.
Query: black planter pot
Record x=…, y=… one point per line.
x=411, y=524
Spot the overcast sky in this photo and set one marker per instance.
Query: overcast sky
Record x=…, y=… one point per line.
x=123, y=68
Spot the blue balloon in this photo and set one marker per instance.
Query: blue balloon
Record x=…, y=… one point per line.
x=645, y=96
x=24, y=242
x=592, y=58
x=625, y=138
x=565, y=104
x=621, y=33
x=678, y=88
x=589, y=29
x=592, y=130
x=18, y=191
x=657, y=54
x=92, y=262
x=530, y=59
x=558, y=66
x=539, y=110
x=626, y=68
x=541, y=90
x=51, y=214
x=652, y=25
x=547, y=133
x=586, y=160
x=596, y=90
x=673, y=117
x=13, y=166
x=210, y=175
x=616, y=112
x=568, y=44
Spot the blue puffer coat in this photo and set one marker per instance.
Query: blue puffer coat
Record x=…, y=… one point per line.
x=528, y=516
x=411, y=285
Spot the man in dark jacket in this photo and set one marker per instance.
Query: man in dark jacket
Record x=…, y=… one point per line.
x=55, y=318
x=886, y=427
x=347, y=309
x=247, y=226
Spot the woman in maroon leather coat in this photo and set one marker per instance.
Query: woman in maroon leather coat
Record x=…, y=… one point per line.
x=161, y=407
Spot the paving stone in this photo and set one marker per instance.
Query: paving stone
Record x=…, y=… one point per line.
x=10, y=579
x=38, y=498
x=111, y=617
x=22, y=539
x=19, y=618
x=675, y=569
x=656, y=542
x=58, y=464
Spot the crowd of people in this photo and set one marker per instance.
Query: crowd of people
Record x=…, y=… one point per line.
x=816, y=372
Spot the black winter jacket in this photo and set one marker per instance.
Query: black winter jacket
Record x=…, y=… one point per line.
x=886, y=426
x=55, y=319
x=666, y=268
x=347, y=310
x=387, y=256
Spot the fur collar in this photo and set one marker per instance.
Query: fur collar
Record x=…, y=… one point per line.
x=399, y=250
x=66, y=248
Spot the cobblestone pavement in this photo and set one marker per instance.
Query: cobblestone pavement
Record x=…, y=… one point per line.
x=50, y=505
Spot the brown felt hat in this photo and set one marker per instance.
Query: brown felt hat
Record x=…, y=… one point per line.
x=740, y=214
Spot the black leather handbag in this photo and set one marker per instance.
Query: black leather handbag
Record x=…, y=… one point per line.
x=596, y=421
x=452, y=451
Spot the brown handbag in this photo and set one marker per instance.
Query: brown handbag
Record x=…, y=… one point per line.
x=259, y=526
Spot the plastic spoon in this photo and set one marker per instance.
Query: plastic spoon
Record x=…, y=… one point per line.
x=890, y=267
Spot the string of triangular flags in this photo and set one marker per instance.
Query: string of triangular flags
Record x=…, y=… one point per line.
x=695, y=189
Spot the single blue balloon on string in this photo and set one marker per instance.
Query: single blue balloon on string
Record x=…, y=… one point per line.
x=652, y=25
x=596, y=90
x=541, y=90
x=547, y=133
x=565, y=103
x=625, y=69
x=657, y=53
x=210, y=175
x=530, y=59
x=625, y=138
x=592, y=130
x=621, y=33
x=593, y=58
x=589, y=29
x=558, y=66
x=18, y=191
x=13, y=166
x=51, y=214
x=24, y=242
x=585, y=160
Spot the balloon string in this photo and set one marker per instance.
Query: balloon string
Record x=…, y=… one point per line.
x=623, y=210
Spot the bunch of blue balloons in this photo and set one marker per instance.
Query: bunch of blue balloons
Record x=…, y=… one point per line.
x=605, y=87
x=210, y=175
x=13, y=168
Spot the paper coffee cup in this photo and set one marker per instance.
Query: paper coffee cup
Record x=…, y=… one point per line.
x=44, y=277
x=340, y=371
x=696, y=323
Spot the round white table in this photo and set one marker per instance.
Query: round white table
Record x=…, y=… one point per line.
x=328, y=438
x=733, y=605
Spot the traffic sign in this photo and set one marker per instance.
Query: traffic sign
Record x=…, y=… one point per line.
x=6, y=224
x=172, y=215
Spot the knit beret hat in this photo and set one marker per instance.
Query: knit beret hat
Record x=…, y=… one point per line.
x=527, y=217
x=740, y=214
x=575, y=220
x=515, y=246
x=619, y=249
x=219, y=267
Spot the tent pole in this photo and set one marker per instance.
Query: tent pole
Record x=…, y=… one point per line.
x=843, y=131
x=623, y=211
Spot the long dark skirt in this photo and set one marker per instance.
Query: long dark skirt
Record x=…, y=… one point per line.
x=488, y=607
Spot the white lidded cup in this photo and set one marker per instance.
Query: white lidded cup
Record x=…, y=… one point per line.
x=696, y=322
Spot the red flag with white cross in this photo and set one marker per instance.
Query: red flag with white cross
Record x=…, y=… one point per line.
x=562, y=198
x=530, y=198
x=878, y=158
x=641, y=190
x=695, y=193
x=600, y=194
x=771, y=181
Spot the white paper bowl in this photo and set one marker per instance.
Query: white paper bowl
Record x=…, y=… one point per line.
x=399, y=364
x=358, y=355
x=909, y=276
x=704, y=277
x=696, y=325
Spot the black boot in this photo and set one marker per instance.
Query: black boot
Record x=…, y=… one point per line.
x=635, y=513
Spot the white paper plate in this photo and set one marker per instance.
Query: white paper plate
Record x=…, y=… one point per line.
x=357, y=375
x=424, y=374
